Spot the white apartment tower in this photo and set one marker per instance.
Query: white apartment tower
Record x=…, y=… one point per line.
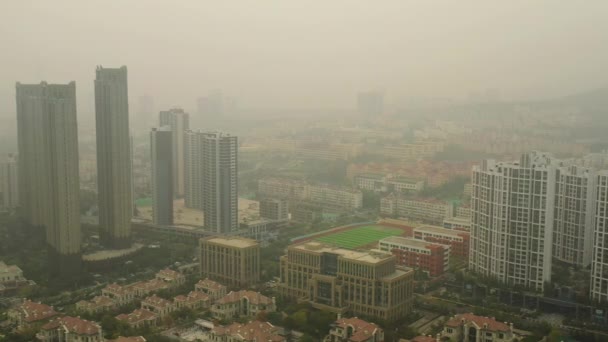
x=599, y=261
x=9, y=178
x=49, y=185
x=575, y=200
x=161, y=146
x=114, y=178
x=211, y=178
x=179, y=122
x=512, y=209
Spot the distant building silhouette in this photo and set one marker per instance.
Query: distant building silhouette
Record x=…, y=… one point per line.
x=161, y=146
x=49, y=183
x=179, y=122
x=114, y=178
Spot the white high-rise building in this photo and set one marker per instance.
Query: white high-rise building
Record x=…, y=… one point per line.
x=512, y=208
x=49, y=185
x=114, y=178
x=161, y=147
x=211, y=178
x=9, y=178
x=575, y=199
x=599, y=261
x=179, y=122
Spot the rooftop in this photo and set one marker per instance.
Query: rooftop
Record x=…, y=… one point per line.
x=209, y=284
x=369, y=257
x=33, y=311
x=480, y=321
x=439, y=230
x=253, y=297
x=238, y=242
x=73, y=325
x=362, y=330
x=408, y=241
x=155, y=300
x=128, y=339
x=252, y=331
x=138, y=315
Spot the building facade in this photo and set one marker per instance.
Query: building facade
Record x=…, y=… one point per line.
x=49, y=185
x=471, y=328
x=162, y=166
x=341, y=280
x=354, y=330
x=179, y=121
x=512, y=220
x=428, y=210
x=274, y=209
x=232, y=261
x=9, y=183
x=599, y=261
x=114, y=178
x=459, y=241
x=70, y=329
x=431, y=258
x=242, y=304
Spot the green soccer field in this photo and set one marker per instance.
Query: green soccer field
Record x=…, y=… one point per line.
x=360, y=236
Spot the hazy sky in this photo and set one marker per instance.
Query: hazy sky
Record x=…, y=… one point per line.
x=306, y=53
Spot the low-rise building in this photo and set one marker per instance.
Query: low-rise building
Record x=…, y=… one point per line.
x=160, y=306
x=471, y=328
x=211, y=288
x=95, y=305
x=233, y=261
x=274, y=209
x=335, y=197
x=195, y=300
x=70, y=329
x=457, y=223
x=144, y=288
x=121, y=295
x=28, y=313
x=459, y=241
x=432, y=258
x=342, y=280
x=11, y=278
x=422, y=209
x=139, y=318
x=354, y=330
x=254, y=331
x=242, y=304
x=171, y=277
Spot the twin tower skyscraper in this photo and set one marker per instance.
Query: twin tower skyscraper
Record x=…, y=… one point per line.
x=49, y=184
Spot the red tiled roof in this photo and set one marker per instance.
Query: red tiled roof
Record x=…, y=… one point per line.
x=423, y=339
x=252, y=331
x=155, y=300
x=209, y=284
x=254, y=297
x=138, y=315
x=128, y=339
x=479, y=321
x=33, y=311
x=363, y=330
x=74, y=325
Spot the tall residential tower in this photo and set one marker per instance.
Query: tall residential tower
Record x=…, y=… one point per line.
x=49, y=183
x=179, y=122
x=9, y=178
x=161, y=146
x=113, y=157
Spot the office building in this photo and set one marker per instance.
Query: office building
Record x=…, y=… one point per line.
x=49, y=185
x=193, y=175
x=429, y=257
x=179, y=121
x=340, y=280
x=274, y=209
x=512, y=238
x=9, y=183
x=113, y=157
x=232, y=261
x=161, y=146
